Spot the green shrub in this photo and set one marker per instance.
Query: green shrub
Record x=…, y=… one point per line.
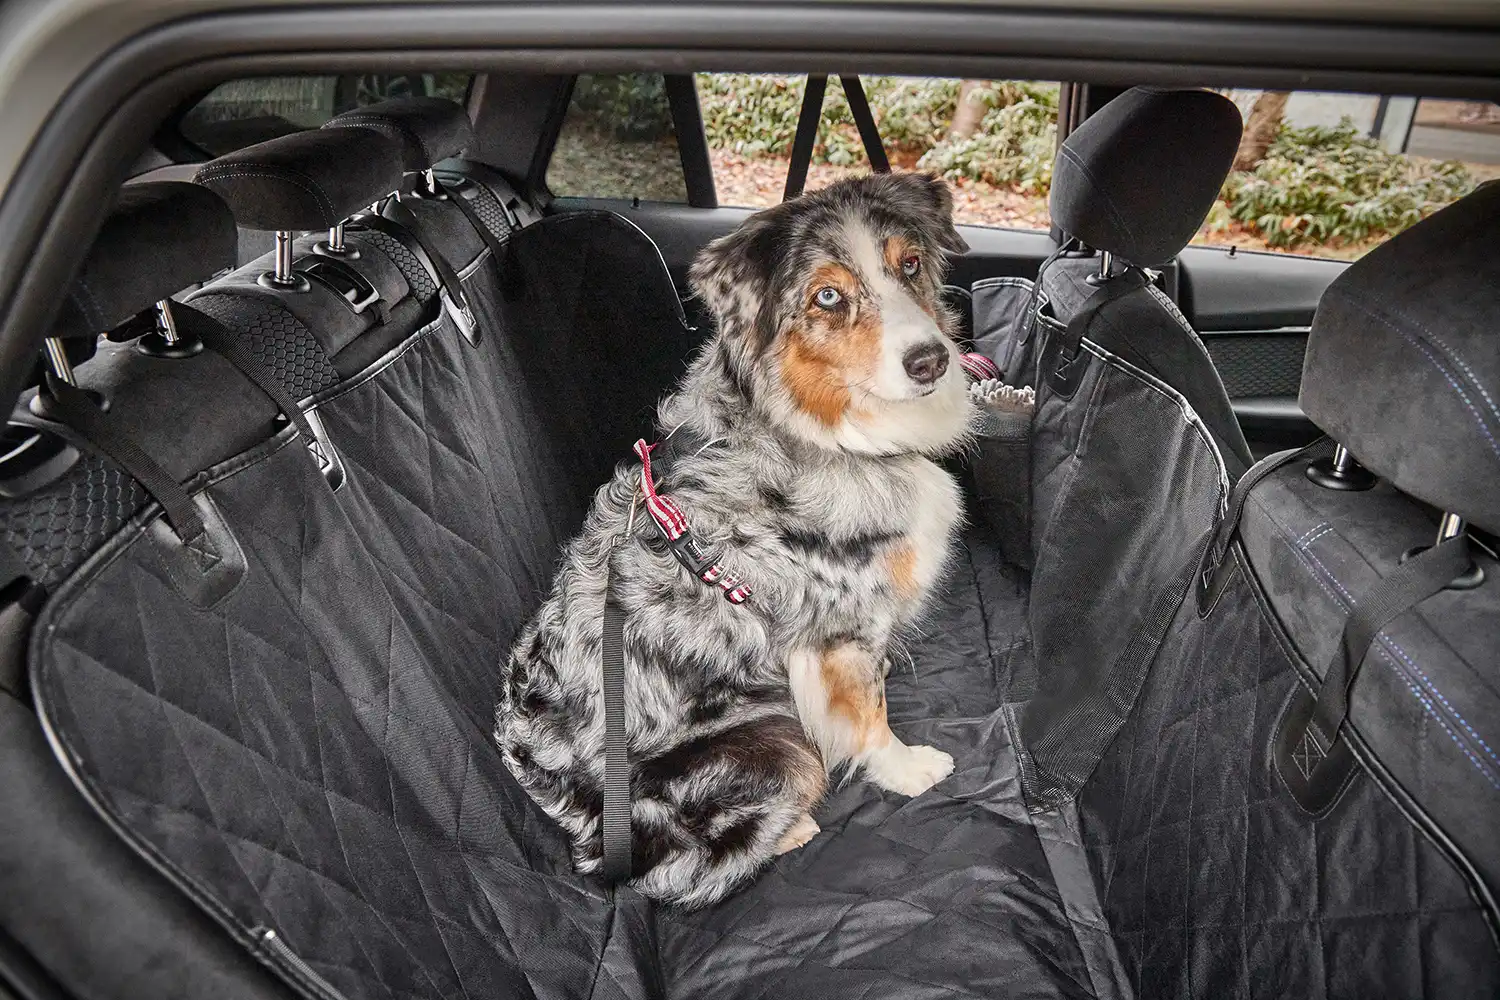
x=756, y=115
x=1014, y=144
x=1331, y=185
x=631, y=106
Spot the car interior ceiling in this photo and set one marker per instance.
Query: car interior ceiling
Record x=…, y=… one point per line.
x=298, y=453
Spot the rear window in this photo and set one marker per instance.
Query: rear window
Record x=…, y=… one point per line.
x=243, y=112
x=993, y=140
x=618, y=141
x=1336, y=175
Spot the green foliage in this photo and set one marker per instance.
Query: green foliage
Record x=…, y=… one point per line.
x=756, y=115
x=1014, y=144
x=1331, y=185
x=629, y=106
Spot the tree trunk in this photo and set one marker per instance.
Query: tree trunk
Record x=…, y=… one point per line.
x=968, y=114
x=1260, y=128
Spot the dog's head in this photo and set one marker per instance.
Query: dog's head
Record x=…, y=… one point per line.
x=830, y=316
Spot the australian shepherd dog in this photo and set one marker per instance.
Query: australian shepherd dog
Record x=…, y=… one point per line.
x=799, y=449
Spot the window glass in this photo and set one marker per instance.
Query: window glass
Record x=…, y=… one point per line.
x=618, y=141
x=243, y=112
x=993, y=139
x=1335, y=175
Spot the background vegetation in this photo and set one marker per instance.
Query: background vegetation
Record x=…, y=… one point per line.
x=1320, y=189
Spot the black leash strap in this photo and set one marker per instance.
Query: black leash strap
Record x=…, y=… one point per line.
x=405, y=228
x=615, y=819
x=807, y=136
x=72, y=406
x=864, y=119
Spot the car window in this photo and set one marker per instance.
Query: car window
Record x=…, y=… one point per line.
x=1335, y=175
x=243, y=112
x=618, y=141
x=993, y=139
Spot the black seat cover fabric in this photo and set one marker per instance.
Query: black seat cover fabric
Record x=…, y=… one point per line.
x=312, y=756
x=1126, y=483
x=309, y=757
x=1214, y=880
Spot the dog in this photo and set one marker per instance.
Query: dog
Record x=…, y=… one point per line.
x=800, y=449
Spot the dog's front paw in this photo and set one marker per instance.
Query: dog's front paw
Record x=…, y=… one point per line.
x=908, y=770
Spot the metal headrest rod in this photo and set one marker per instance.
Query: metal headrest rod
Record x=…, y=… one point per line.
x=1450, y=525
x=335, y=246
x=57, y=358
x=282, y=276
x=166, y=341
x=1341, y=472
x=1106, y=269
x=56, y=353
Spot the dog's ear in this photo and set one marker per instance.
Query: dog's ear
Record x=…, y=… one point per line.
x=733, y=276
x=932, y=200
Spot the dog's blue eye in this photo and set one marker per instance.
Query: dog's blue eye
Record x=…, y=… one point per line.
x=911, y=265
x=828, y=298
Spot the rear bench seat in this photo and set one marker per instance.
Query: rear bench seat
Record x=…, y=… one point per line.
x=304, y=748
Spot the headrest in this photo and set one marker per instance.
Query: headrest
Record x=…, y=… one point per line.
x=1139, y=175
x=161, y=237
x=308, y=180
x=429, y=129
x=1403, y=362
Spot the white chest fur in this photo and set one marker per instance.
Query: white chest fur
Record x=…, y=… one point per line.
x=933, y=510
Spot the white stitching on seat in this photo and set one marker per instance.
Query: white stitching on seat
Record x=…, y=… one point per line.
x=275, y=172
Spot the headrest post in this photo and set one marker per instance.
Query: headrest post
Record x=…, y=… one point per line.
x=282, y=275
x=283, y=265
x=433, y=189
x=1106, y=266
x=1451, y=526
x=167, y=323
x=57, y=360
x=57, y=357
x=1341, y=472
x=336, y=238
x=166, y=341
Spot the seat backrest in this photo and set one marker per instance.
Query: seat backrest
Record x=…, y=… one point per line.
x=310, y=752
x=1364, y=865
x=1128, y=469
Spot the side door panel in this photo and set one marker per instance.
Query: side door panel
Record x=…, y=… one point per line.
x=1253, y=311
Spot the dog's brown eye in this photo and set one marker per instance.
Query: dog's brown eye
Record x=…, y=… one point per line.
x=828, y=298
x=911, y=265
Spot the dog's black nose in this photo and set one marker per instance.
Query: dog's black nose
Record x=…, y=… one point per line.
x=926, y=363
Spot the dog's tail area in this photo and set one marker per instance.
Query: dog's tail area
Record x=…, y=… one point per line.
x=711, y=812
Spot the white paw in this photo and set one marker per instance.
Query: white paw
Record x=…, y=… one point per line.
x=803, y=830
x=908, y=770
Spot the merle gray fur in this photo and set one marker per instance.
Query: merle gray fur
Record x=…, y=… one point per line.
x=735, y=713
